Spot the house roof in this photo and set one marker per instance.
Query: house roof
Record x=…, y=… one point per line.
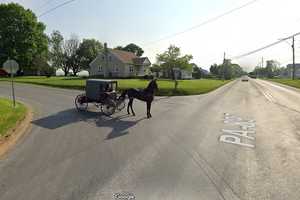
x=140, y=61
x=124, y=56
x=128, y=57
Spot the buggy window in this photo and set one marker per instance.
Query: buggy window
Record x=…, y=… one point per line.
x=114, y=86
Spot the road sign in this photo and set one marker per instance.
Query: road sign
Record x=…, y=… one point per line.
x=11, y=66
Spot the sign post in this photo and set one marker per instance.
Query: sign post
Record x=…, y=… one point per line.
x=11, y=67
x=176, y=71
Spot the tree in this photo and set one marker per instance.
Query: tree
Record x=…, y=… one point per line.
x=214, y=69
x=260, y=71
x=42, y=67
x=172, y=58
x=138, y=51
x=184, y=62
x=271, y=68
x=22, y=37
x=237, y=70
x=227, y=70
x=197, y=72
x=39, y=64
x=155, y=68
x=71, y=59
x=282, y=71
x=88, y=51
x=119, y=48
x=56, y=42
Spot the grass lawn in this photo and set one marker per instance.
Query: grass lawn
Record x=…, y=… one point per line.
x=9, y=116
x=290, y=82
x=166, y=87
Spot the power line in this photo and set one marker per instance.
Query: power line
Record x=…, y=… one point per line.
x=46, y=3
x=56, y=7
x=264, y=47
x=203, y=23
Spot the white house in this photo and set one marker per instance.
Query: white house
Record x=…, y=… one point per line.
x=186, y=74
x=118, y=63
x=290, y=70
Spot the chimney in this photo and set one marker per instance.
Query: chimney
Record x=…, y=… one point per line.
x=106, y=54
x=105, y=47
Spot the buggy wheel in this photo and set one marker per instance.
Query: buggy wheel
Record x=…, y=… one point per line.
x=109, y=107
x=81, y=102
x=120, y=104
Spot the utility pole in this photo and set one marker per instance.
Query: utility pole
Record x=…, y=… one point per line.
x=224, y=66
x=262, y=62
x=294, y=64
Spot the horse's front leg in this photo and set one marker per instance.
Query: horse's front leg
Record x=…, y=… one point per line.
x=149, y=109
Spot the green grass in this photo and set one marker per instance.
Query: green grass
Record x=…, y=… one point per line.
x=9, y=116
x=166, y=87
x=290, y=82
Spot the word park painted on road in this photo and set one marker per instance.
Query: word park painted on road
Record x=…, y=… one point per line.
x=241, y=132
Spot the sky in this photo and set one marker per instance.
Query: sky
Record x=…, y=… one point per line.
x=120, y=22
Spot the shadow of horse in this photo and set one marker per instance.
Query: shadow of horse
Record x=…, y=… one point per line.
x=119, y=125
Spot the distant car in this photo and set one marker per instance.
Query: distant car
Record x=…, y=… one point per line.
x=245, y=78
x=3, y=73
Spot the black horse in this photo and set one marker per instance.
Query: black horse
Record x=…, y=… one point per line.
x=146, y=95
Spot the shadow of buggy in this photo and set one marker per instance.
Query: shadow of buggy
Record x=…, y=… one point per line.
x=119, y=125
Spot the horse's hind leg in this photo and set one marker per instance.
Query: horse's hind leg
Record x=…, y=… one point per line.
x=131, y=102
x=128, y=105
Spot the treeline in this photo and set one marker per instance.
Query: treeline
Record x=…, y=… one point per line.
x=23, y=38
x=271, y=70
x=227, y=70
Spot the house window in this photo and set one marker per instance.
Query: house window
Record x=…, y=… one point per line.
x=100, y=68
x=116, y=69
x=131, y=69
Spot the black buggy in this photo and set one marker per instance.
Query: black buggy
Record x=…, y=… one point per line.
x=102, y=93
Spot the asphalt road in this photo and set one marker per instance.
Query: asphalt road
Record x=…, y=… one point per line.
x=184, y=152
